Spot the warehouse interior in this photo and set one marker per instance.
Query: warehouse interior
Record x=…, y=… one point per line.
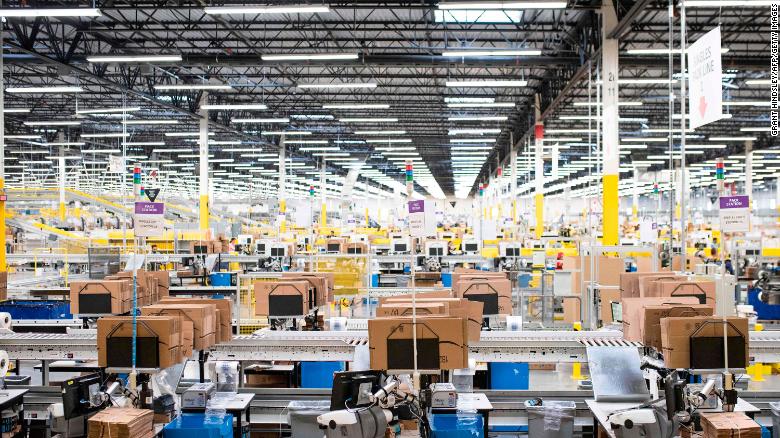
x=360, y=219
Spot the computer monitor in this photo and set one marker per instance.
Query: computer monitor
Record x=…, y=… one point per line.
x=471, y=247
x=352, y=388
x=334, y=247
x=513, y=252
x=435, y=251
x=260, y=248
x=82, y=395
x=201, y=249
x=278, y=251
x=355, y=250
x=400, y=247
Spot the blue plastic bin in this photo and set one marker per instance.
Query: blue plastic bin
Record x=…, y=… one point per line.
x=508, y=375
x=221, y=279
x=374, y=280
x=34, y=309
x=193, y=426
x=524, y=280
x=319, y=374
x=457, y=426
x=446, y=279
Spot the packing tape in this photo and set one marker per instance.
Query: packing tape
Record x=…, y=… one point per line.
x=5, y=320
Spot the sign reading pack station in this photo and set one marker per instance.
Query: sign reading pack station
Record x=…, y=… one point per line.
x=149, y=219
x=734, y=213
x=422, y=218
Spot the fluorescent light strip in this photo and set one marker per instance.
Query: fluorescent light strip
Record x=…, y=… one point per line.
x=482, y=105
x=369, y=120
x=469, y=53
x=502, y=5
x=338, y=86
x=16, y=110
x=357, y=106
x=249, y=9
x=144, y=143
x=661, y=51
x=472, y=140
x=66, y=143
x=387, y=132
x=473, y=131
x=45, y=89
x=487, y=83
x=235, y=106
x=192, y=87
x=306, y=141
x=733, y=139
x=109, y=110
x=134, y=58
x=266, y=120
x=106, y=135
x=54, y=123
x=286, y=133
x=52, y=12
x=478, y=119
x=728, y=3
x=150, y=122
x=311, y=57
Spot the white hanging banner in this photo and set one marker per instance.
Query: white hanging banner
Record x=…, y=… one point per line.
x=422, y=218
x=705, y=97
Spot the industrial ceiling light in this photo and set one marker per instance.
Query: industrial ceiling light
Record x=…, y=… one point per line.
x=54, y=123
x=53, y=12
x=620, y=103
x=16, y=110
x=390, y=140
x=472, y=140
x=745, y=103
x=106, y=135
x=356, y=106
x=386, y=132
x=22, y=137
x=369, y=120
x=758, y=82
x=482, y=105
x=184, y=134
x=150, y=122
x=67, y=143
x=469, y=99
x=45, y=89
x=339, y=85
x=306, y=141
x=663, y=50
x=310, y=57
x=755, y=129
x=478, y=119
x=144, y=143
x=189, y=87
x=265, y=9
x=474, y=131
x=262, y=120
x=734, y=139
x=502, y=5
x=286, y=133
x=468, y=53
x=109, y=110
x=728, y=3
x=133, y=58
x=235, y=106
x=487, y=83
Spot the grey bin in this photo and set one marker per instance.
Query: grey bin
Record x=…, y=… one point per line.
x=554, y=419
x=775, y=408
x=302, y=417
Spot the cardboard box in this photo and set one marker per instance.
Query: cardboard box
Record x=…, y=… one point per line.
x=703, y=290
x=676, y=337
x=729, y=425
x=483, y=289
x=354, y=248
x=571, y=310
x=224, y=306
x=317, y=282
x=281, y=298
x=459, y=276
x=441, y=343
x=459, y=307
x=633, y=313
x=3, y=285
x=406, y=309
x=261, y=380
x=163, y=282
x=606, y=298
x=608, y=271
x=202, y=316
x=115, y=333
x=442, y=294
x=648, y=284
x=100, y=297
x=121, y=423
x=187, y=338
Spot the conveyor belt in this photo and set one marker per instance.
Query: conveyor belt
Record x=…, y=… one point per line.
x=496, y=346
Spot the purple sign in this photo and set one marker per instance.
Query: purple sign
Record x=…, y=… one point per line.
x=741, y=201
x=417, y=206
x=149, y=208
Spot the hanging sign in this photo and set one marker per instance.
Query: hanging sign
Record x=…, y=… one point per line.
x=734, y=213
x=149, y=219
x=705, y=96
x=422, y=218
x=116, y=164
x=152, y=193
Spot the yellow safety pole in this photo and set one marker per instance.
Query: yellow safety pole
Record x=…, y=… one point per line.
x=203, y=210
x=538, y=168
x=610, y=152
x=323, y=216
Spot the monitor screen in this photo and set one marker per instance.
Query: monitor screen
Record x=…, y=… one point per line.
x=201, y=249
x=513, y=252
x=78, y=395
x=435, y=252
x=277, y=252
x=355, y=250
x=261, y=247
x=334, y=247
x=399, y=247
x=471, y=247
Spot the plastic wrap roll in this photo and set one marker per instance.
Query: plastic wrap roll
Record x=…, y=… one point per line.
x=5, y=320
x=5, y=362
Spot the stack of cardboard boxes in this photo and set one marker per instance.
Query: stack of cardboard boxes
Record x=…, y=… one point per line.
x=674, y=315
x=493, y=289
x=297, y=293
x=608, y=272
x=114, y=294
x=121, y=423
x=444, y=328
x=729, y=425
x=167, y=332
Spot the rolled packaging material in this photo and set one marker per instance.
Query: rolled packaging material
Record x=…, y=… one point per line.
x=6, y=321
x=4, y=363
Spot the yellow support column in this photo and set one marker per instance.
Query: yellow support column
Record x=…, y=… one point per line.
x=203, y=184
x=323, y=216
x=539, y=207
x=203, y=212
x=611, y=210
x=3, y=262
x=610, y=152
